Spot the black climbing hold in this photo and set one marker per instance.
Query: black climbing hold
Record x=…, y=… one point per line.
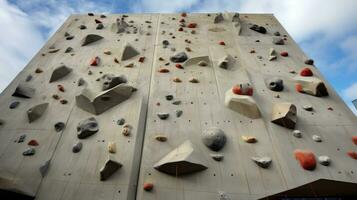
x=278, y=41
x=110, y=81
x=44, y=168
x=24, y=91
x=82, y=27
x=257, y=28
x=29, y=152
x=275, y=84
x=177, y=102
x=214, y=138
x=59, y=126
x=169, y=97
x=277, y=33
x=121, y=121
x=163, y=116
x=90, y=39
x=99, y=26
x=21, y=138
x=309, y=62
x=69, y=49
x=179, y=113
x=77, y=147
x=70, y=37
x=14, y=104
x=87, y=128
x=179, y=57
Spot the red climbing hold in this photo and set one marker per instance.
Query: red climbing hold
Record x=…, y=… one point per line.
x=98, y=21
x=241, y=89
x=179, y=66
x=252, y=51
x=180, y=29
x=306, y=72
x=60, y=88
x=298, y=88
x=141, y=59
x=182, y=20
x=284, y=54
x=183, y=14
x=352, y=154
x=163, y=70
x=221, y=43
x=306, y=159
x=94, y=61
x=354, y=139
x=192, y=25
x=32, y=143
x=116, y=60
x=148, y=186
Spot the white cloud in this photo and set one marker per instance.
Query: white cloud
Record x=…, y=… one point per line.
x=165, y=6
x=350, y=93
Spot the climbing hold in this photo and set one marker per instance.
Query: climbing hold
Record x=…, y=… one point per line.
x=308, y=107
x=29, y=152
x=21, y=138
x=81, y=82
x=24, y=91
x=14, y=104
x=107, y=52
x=257, y=28
x=297, y=133
x=276, y=33
x=128, y=52
x=70, y=37
x=177, y=102
x=242, y=104
x=121, y=121
x=249, y=139
x=179, y=57
x=112, y=147
x=161, y=138
x=94, y=61
x=306, y=159
x=178, y=113
x=306, y=72
x=222, y=43
x=275, y=84
x=165, y=43
x=284, y=54
x=53, y=50
x=59, y=126
x=284, y=114
x=99, y=103
x=60, y=88
x=352, y=154
x=148, y=186
x=99, y=26
x=82, y=27
x=311, y=85
x=278, y=41
x=183, y=160
x=272, y=54
x=219, y=18
x=110, y=80
x=176, y=80
x=87, y=128
x=214, y=138
x=243, y=89
x=316, y=138
x=163, y=116
x=90, y=14
x=183, y=14
x=354, y=139
x=36, y=112
x=63, y=101
x=309, y=61
x=28, y=78
x=225, y=62
x=263, y=162
x=33, y=143
x=120, y=26
x=77, y=147
x=109, y=168
x=235, y=17
x=163, y=70
x=169, y=97
x=223, y=196
x=90, y=39
x=60, y=72
x=200, y=61
x=217, y=157
x=68, y=50
x=126, y=131
x=44, y=168
x=141, y=59
x=324, y=160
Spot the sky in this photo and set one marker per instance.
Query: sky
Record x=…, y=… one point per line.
x=326, y=30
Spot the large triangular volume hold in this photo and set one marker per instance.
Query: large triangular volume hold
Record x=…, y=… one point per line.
x=60, y=72
x=182, y=160
x=24, y=91
x=284, y=114
x=90, y=39
x=129, y=52
x=36, y=112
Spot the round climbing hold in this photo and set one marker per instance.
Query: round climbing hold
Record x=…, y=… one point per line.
x=192, y=25
x=32, y=143
x=148, y=186
x=306, y=72
x=324, y=160
x=316, y=138
x=284, y=54
x=183, y=14
x=161, y=138
x=222, y=43
x=14, y=104
x=352, y=154
x=180, y=29
x=309, y=62
x=59, y=126
x=306, y=159
x=121, y=121
x=297, y=133
x=214, y=138
x=298, y=88
x=182, y=20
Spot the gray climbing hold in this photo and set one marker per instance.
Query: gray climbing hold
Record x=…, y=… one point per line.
x=110, y=81
x=165, y=43
x=59, y=126
x=163, y=116
x=276, y=33
x=214, y=138
x=36, y=112
x=307, y=107
x=29, y=152
x=44, y=168
x=60, y=72
x=226, y=62
x=109, y=168
x=223, y=195
x=121, y=121
x=128, y=52
x=99, y=26
x=185, y=159
x=324, y=160
x=14, y=104
x=278, y=41
x=297, y=134
x=219, y=18
x=169, y=97
x=21, y=138
x=217, y=157
x=257, y=28
x=235, y=17
x=317, y=138
x=199, y=60
x=309, y=61
x=28, y=78
x=24, y=91
x=82, y=27
x=179, y=57
x=90, y=39
x=178, y=113
x=263, y=162
x=77, y=147
x=68, y=50
x=87, y=128
x=275, y=84
x=177, y=102
x=81, y=82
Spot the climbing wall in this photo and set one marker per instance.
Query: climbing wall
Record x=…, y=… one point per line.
x=174, y=106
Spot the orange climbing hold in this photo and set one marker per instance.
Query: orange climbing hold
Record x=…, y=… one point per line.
x=306, y=72
x=179, y=66
x=148, y=186
x=354, y=139
x=94, y=61
x=243, y=89
x=352, y=154
x=192, y=25
x=222, y=43
x=32, y=143
x=298, y=88
x=306, y=159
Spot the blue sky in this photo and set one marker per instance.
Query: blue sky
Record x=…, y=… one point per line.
x=325, y=29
